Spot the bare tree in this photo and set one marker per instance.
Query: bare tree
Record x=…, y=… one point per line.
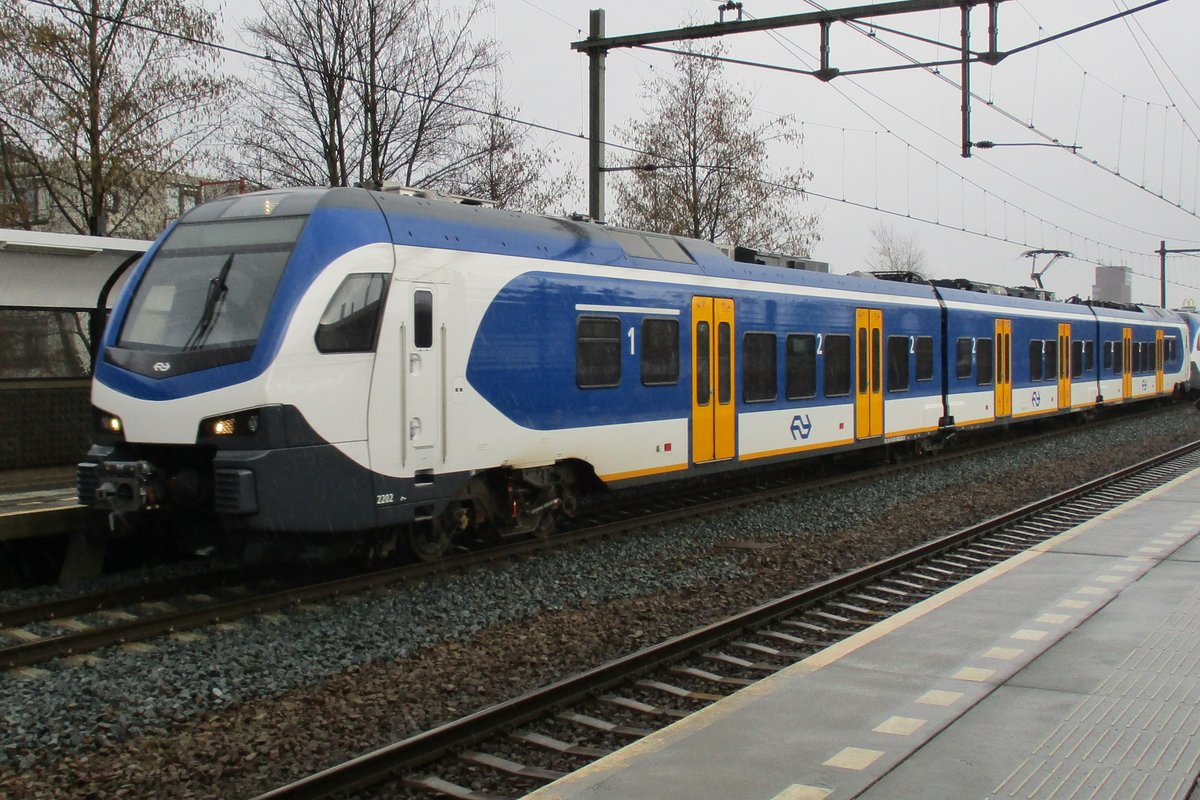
x=367, y=90
x=102, y=110
x=895, y=251
x=702, y=165
x=509, y=168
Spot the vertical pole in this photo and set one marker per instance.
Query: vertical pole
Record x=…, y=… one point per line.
x=596, y=58
x=966, y=80
x=1162, y=273
x=993, y=28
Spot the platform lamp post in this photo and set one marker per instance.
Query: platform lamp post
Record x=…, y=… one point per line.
x=1162, y=267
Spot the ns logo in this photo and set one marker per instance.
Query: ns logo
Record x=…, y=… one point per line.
x=801, y=426
x=162, y=366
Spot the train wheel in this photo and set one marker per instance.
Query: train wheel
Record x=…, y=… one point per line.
x=428, y=540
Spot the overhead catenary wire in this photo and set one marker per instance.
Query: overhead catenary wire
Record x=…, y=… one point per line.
x=539, y=126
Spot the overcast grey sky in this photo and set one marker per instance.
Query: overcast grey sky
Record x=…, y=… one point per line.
x=1125, y=92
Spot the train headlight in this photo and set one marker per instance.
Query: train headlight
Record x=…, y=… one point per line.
x=240, y=424
x=107, y=427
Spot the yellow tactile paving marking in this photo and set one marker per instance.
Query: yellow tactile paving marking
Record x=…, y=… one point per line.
x=939, y=697
x=973, y=674
x=803, y=792
x=1073, y=603
x=1053, y=619
x=1028, y=635
x=1003, y=653
x=854, y=758
x=900, y=726
x=1092, y=591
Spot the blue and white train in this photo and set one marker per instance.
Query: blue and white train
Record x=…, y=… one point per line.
x=330, y=361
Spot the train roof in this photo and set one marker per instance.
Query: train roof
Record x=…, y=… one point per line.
x=58, y=270
x=427, y=219
x=432, y=221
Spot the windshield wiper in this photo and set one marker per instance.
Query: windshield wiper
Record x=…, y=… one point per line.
x=216, y=293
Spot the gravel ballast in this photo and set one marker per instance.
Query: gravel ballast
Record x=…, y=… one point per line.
x=237, y=711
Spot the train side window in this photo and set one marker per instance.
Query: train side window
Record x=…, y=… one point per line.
x=1139, y=357
x=801, y=366
x=1168, y=349
x=760, y=377
x=1152, y=356
x=703, y=363
x=1118, y=357
x=1076, y=358
x=837, y=365
x=1035, y=360
x=1108, y=356
x=660, y=352
x=924, y=350
x=897, y=363
x=423, y=319
x=983, y=362
x=1089, y=356
x=597, y=352
x=1051, y=349
x=962, y=358
x=350, y=323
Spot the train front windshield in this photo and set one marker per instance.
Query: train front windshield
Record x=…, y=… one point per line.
x=210, y=285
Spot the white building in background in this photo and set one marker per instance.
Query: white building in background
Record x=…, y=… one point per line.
x=1113, y=284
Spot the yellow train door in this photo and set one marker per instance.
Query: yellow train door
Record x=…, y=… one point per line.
x=1127, y=363
x=1003, y=367
x=1064, y=365
x=1158, y=362
x=713, y=412
x=868, y=401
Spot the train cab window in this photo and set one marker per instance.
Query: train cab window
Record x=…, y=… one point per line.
x=597, y=352
x=423, y=319
x=801, y=366
x=983, y=362
x=1076, y=358
x=924, y=348
x=760, y=379
x=897, y=363
x=1035, y=360
x=350, y=323
x=1108, y=356
x=837, y=366
x=660, y=352
x=1051, y=350
x=962, y=358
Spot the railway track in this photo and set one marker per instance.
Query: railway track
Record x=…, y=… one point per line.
x=79, y=625
x=509, y=749
x=76, y=626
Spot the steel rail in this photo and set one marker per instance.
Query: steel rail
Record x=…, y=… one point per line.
x=417, y=751
x=73, y=643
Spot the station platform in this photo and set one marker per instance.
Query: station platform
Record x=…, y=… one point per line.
x=29, y=497
x=1070, y=671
